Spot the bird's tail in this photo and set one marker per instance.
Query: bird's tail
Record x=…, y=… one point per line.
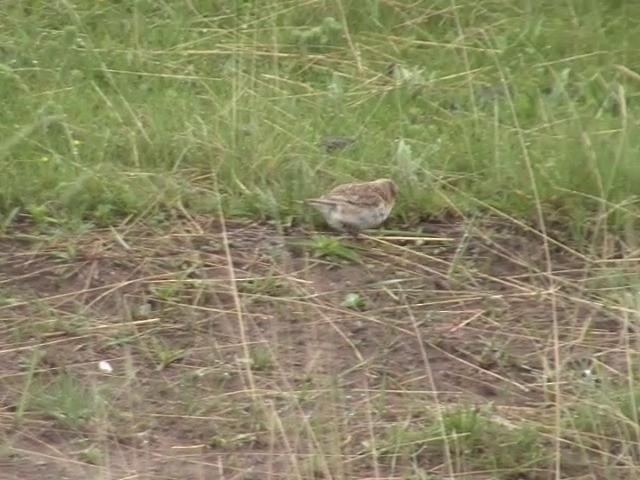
x=320, y=201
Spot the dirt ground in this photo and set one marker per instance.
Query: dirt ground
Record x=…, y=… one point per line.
x=273, y=358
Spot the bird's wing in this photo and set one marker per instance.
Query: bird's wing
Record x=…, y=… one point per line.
x=328, y=200
x=348, y=189
x=354, y=194
x=364, y=200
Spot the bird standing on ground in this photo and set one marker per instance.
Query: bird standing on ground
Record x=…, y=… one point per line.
x=353, y=207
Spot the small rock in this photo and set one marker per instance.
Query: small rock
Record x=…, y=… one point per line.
x=338, y=142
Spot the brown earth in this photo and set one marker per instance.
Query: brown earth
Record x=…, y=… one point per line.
x=249, y=364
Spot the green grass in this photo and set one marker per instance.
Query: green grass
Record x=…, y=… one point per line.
x=126, y=127
x=114, y=109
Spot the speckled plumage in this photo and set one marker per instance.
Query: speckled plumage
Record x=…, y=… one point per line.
x=357, y=206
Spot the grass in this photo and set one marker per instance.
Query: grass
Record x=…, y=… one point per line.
x=490, y=334
x=116, y=109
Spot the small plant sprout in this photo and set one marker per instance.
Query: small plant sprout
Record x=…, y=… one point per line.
x=354, y=301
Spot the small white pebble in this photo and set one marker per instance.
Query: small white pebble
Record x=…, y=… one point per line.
x=105, y=367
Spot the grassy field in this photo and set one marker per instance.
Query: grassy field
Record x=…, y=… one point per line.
x=154, y=156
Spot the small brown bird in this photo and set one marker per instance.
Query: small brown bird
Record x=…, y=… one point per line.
x=357, y=206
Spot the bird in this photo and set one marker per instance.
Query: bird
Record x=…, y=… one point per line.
x=353, y=207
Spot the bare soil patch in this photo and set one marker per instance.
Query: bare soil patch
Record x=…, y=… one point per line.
x=255, y=364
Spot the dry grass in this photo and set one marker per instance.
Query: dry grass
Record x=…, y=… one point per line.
x=234, y=352
x=490, y=335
